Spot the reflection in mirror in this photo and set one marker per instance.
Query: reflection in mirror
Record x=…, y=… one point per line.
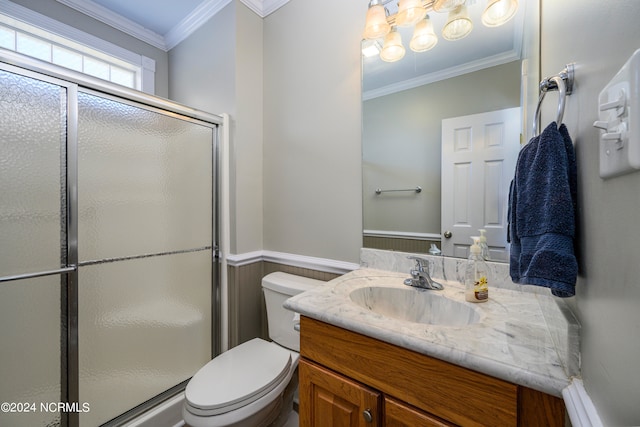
x=404, y=105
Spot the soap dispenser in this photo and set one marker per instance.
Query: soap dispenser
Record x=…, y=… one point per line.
x=434, y=250
x=484, y=248
x=476, y=277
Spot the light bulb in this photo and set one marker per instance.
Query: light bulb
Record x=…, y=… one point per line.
x=376, y=25
x=458, y=24
x=446, y=5
x=499, y=12
x=410, y=12
x=424, y=38
x=392, y=50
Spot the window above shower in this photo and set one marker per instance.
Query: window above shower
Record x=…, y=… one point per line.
x=37, y=36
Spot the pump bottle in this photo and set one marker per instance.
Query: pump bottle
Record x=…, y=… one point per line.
x=477, y=277
x=484, y=248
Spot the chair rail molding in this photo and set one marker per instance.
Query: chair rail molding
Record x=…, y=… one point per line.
x=302, y=261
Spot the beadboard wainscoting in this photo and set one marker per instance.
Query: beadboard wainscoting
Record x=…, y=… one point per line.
x=400, y=241
x=247, y=311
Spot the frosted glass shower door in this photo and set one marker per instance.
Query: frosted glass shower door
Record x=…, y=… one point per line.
x=32, y=225
x=145, y=201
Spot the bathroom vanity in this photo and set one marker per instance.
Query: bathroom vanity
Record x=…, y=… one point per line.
x=365, y=361
x=350, y=379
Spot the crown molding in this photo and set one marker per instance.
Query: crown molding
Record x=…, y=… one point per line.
x=264, y=7
x=117, y=21
x=447, y=73
x=177, y=34
x=193, y=21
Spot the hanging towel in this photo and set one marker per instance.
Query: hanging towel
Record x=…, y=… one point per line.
x=542, y=213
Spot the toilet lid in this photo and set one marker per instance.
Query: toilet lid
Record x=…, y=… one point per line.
x=238, y=377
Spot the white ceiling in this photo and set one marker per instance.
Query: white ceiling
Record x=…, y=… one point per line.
x=157, y=16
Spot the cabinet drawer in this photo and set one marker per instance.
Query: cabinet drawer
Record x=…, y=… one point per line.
x=397, y=414
x=450, y=392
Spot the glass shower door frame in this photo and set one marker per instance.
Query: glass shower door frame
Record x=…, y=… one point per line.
x=72, y=83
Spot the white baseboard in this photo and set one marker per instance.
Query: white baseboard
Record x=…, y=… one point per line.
x=582, y=412
x=302, y=261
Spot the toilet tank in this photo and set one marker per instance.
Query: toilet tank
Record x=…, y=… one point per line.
x=277, y=288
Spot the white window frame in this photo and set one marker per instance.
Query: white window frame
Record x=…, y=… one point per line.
x=40, y=26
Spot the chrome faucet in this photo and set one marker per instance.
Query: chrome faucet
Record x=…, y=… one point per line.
x=420, y=277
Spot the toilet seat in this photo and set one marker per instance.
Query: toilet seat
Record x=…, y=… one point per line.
x=237, y=378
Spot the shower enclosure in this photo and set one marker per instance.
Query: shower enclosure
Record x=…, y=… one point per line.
x=109, y=290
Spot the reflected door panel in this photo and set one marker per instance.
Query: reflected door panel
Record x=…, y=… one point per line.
x=479, y=154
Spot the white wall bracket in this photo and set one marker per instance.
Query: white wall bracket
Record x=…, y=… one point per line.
x=618, y=120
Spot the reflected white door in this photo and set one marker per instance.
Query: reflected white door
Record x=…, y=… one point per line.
x=479, y=154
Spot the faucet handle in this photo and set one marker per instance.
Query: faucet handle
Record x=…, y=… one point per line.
x=421, y=263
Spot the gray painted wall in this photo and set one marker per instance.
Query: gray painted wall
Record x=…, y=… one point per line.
x=402, y=138
x=600, y=40
x=73, y=18
x=312, y=129
x=219, y=69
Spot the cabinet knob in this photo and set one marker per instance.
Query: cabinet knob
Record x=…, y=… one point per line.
x=367, y=415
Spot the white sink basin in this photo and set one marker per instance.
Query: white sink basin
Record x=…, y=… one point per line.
x=415, y=305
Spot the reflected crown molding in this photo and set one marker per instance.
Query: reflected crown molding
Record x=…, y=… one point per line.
x=183, y=29
x=447, y=73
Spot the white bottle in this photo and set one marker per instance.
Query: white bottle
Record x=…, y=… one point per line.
x=476, y=277
x=434, y=250
x=484, y=248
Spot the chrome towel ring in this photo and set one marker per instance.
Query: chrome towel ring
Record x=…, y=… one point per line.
x=563, y=83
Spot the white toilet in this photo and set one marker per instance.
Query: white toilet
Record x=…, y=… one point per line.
x=252, y=384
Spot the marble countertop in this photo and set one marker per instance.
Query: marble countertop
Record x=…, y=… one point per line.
x=511, y=341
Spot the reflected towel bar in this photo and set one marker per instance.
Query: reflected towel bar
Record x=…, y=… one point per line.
x=417, y=190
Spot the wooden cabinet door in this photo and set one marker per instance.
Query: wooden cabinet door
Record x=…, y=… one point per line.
x=398, y=414
x=328, y=399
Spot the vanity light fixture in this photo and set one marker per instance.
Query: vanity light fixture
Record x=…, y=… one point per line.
x=379, y=22
x=392, y=49
x=498, y=12
x=376, y=25
x=458, y=24
x=424, y=37
x=446, y=5
x=410, y=12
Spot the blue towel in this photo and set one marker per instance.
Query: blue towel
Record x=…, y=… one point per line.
x=542, y=213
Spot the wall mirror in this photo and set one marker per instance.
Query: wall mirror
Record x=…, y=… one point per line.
x=422, y=112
